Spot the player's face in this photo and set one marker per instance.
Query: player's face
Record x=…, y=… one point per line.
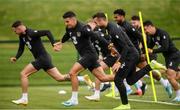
x=100, y=22
x=19, y=30
x=92, y=24
x=135, y=23
x=117, y=18
x=148, y=30
x=70, y=22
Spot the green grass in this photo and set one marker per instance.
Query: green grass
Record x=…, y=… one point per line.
x=47, y=97
x=46, y=14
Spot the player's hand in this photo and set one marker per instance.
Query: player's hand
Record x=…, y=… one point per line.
x=114, y=52
x=116, y=66
x=143, y=57
x=57, y=46
x=13, y=59
x=150, y=50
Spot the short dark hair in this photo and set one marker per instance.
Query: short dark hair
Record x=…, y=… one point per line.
x=135, y=17
x=17, y=23
x=100, y=15
x=94, y=16
x=120, y=12
x=148, y=23
x=69, y=14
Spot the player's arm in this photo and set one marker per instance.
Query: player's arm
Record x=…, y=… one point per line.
x=125, y=48
x=40, y=33
x=133, y=31
x=150, y=44
x=164, y=44
x=65, y=38
x=20, y=50
x=100, y=37
x=58, y=45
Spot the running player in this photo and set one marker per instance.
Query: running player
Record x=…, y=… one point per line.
x=125, y=68
x=171, y=54
x=80, y=35
x=136, y=37
x=135, y=21
x=32, y=39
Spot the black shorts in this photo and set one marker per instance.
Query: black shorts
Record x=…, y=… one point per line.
x=89, y=61
x=110, y=60
x=173, y=61
x=43, y=62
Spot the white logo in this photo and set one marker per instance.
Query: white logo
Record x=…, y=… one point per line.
x=88, y=29
x=123, y=65
x=102, y=35
x=29, y=45
x=117, y=36
x=74, y=40
x=164, y=37
x=70, y=33
x=170, y=64
x=133, y=29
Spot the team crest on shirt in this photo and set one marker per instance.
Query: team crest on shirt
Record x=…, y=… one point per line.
x=97, y=42
x=78, y=34
x=158, y=38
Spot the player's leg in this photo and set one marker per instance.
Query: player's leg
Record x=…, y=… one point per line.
x=171, y=75
x=74, y=83
x=157, y=75
x=172, y=64
x=96, y=95
x=25, y=73
x=119, y=78
x=55, y=74
x=178, y=75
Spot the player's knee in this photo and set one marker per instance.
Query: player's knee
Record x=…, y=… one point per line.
x=23, y=74
x=72, y=74
x=129, y=82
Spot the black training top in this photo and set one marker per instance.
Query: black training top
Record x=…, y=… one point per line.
x=80, y=36
x=120, y=40
x=134, y=35
x=164, y=43
x=101, y=41
x=33, y=41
